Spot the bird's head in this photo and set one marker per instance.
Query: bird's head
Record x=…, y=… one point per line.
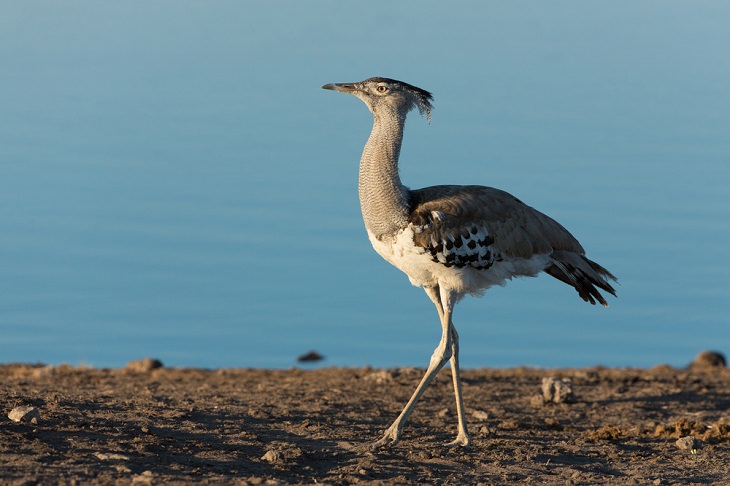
x=384, y=95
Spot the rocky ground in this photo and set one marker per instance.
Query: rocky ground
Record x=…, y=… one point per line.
x=147, y=424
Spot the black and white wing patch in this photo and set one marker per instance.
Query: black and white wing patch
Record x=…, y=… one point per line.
x=470, y=246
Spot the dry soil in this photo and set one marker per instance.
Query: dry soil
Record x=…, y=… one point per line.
x=147, y=425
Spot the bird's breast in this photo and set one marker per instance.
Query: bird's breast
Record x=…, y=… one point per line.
x=400, y=251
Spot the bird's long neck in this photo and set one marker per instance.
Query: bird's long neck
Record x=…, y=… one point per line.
x=383, y=199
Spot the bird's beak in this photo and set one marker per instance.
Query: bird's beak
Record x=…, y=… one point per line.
x=341, y=87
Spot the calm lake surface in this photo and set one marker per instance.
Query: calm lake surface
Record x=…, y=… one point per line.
x=175, y=184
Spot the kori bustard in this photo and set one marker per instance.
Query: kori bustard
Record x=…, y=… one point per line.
x=453, y=240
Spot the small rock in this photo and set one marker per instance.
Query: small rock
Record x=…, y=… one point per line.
x=557, y=390
x=310, y=357
x=509, y=424
x=44, y=371
x=271, y=456
x=709, y=359
x=687, y=443
x=380, y=377
x=145, y=478
x=143, y=365
x=480, y=415
x=110, y=456
x=25, y=414
x=552, y=423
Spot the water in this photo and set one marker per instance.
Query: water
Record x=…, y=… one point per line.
x=174, y=183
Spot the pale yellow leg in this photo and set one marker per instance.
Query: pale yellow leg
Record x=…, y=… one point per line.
x=447, y=349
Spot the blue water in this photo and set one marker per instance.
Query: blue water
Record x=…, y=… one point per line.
x=174, y=183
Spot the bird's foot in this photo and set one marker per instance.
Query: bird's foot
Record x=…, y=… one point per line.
x=390, y=438
x=462, y=440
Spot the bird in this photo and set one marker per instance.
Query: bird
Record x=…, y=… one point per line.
x=453, y=240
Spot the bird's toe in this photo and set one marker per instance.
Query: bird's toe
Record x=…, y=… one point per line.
x=390, y=438
x=462, y=440
x=383, y=443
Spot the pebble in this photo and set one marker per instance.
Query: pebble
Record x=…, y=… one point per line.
x=110, y=456
x=144, y=478
x=380, y=377
x=143, y=365
x=271, y=456
x=709, y=359
x=26, y=414
x=480, y=415
x=310, y=357
x=687, y=443
x=44, y=371
x=557, y=390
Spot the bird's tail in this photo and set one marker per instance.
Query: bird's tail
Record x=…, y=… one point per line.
x=585, y=275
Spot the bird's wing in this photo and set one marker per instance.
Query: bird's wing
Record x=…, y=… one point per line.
x=476, y=225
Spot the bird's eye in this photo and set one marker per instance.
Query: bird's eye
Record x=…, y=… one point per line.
x=382, y=88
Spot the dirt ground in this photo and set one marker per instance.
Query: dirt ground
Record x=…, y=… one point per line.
x=139, y=425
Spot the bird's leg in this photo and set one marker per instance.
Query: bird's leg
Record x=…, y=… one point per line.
x=445, y=312
x=462, y=439
x=440, y=356
x=434, y=293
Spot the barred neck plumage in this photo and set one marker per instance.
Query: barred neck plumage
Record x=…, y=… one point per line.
x=383, y=198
